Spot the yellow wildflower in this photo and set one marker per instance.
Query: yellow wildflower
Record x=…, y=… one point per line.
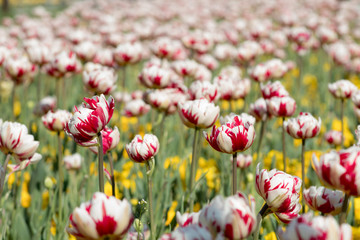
x=348, y=136
x=53, y=228
x=17, y=108
x=171, y=213
x=134, y=201
x=173, y=161
x=108, y=190
x=270, y=236
x=34, y=127
x=45, y=199
x=225, y=105
x=326, y=67
x=355, y=80
x=313, y=59
x=295, y=72
x=357, y=210
x=197, y=207
x=355, y=232
x=25, y=198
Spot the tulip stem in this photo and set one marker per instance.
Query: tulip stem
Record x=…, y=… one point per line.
x=39, y=86
x=3, y=173
x=344, y=209
x=283, y=143
x=13, y=101
x=124, y=77
x=303, y=174
x=111, y=162
x=263, y=212
x=342, y=123
x=61, y=176
x=262, y=132
x=152, y=222
x=234, y=174
x=101, y=163
x=193, y=169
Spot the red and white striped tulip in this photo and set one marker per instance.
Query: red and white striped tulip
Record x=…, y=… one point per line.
x=231, y=137
x=342, y=89
x=136, y=108
x=187, y=218
x=259, y=110
x=200, y=89
x=273, y=89
x=91, y=118
x=198, y=113
x=73, y=162
x=100, y=81
x=56, y=121
x=155, y=77
x=191, y=232
x=307, y=227
x=128, y=53
x=101, y=217
x=110, y=139
x=333, y=137
x=232, y=217
x=143, y=149
x=280, y=191
x=281, y=107
x=303, y=126
x=44, y=106
x=340, y=170
x=324, y=200
x=243, y=160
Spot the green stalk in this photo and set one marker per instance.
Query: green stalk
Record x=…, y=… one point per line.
x=13, y=101
x=3, y=173
x=263, y=212
x=344, y=209
x=234, y=174
x=262, y=133
x=193, y=168
x=101, y=163
x=61, y=176
x=152, y=222
x=283, y=143
x=303, y=174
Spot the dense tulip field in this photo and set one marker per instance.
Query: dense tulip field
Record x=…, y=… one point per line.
x=192, y=120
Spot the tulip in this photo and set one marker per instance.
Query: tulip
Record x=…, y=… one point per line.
x=86, y=51
x=101, y=217
x=199, y=89
x=187, y=219
x=197, y=114
x=333, y=137
x=142, y=150
x=307, y=227
x=191, y=232
x=15, y=141
x=165, y=100
x=164, y=47
x=243, y=160
x=280, y=191
x=87, y=123
x=324, y=200
x=73, y=162
x=56, y=121
x=342, y=89
x=232, y=88
x=339, y=170
x=100, y=81
x=282, y=107
x=208, y=60
x=275, y=89
x=128, y=53
x=136, y=108
x=185, y=68
x=232, y=217
x=232, y=137
x=155, y=77
x=44, y=106
x=355, y=97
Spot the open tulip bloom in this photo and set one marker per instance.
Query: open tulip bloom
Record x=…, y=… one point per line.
x=233, y=136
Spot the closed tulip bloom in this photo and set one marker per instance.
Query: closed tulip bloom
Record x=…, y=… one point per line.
x=191, y=232
x=86, y=50
x=302, y=127
x=243, y=160
x=110, y=139
x=39, y=54
x=333, y=137
x=63, y=63
x=90, y=119
x=165, y=100
x=208, y=60
x=45, y=105
x=356, y=98
x=198, y=113
x=275, y=89
x=104, y=57
x=232, y=217
x=342, y=89
x=232, y=88
x=73, y=162
x=307, y=227
x=19, y=69
x=56, y=121
x=15, y=140
x=281, y=107
x=234, y=136
x=277, y=68
x=101, y=217
x=207, y=90
x=340, y=170
x=142, y=149
x=100, y=81
x=136, y=108
x=280, y=191
x=155, y=77
x=185, y=67
x=324, y=200
x=128, y=53
x=259, y=110
x=260, y=73
x=187, y=218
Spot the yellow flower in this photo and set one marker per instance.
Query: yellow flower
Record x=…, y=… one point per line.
x=173, y=161
x=34, y=127
x=313, y=59
x=108, y=190
x=225, y=105
x=348, y=136
x=326, y=67
x=270, y=236
x=197, y=207
x=134, y=201
x=72, y=237
x=357, y=210
x=171, y=213
x=25, y=198
x=295, y=72
x=355, y=232
x=355, y=80
x=17, y=108
x=53, y=228
x=297, y=142
x=45, y=199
